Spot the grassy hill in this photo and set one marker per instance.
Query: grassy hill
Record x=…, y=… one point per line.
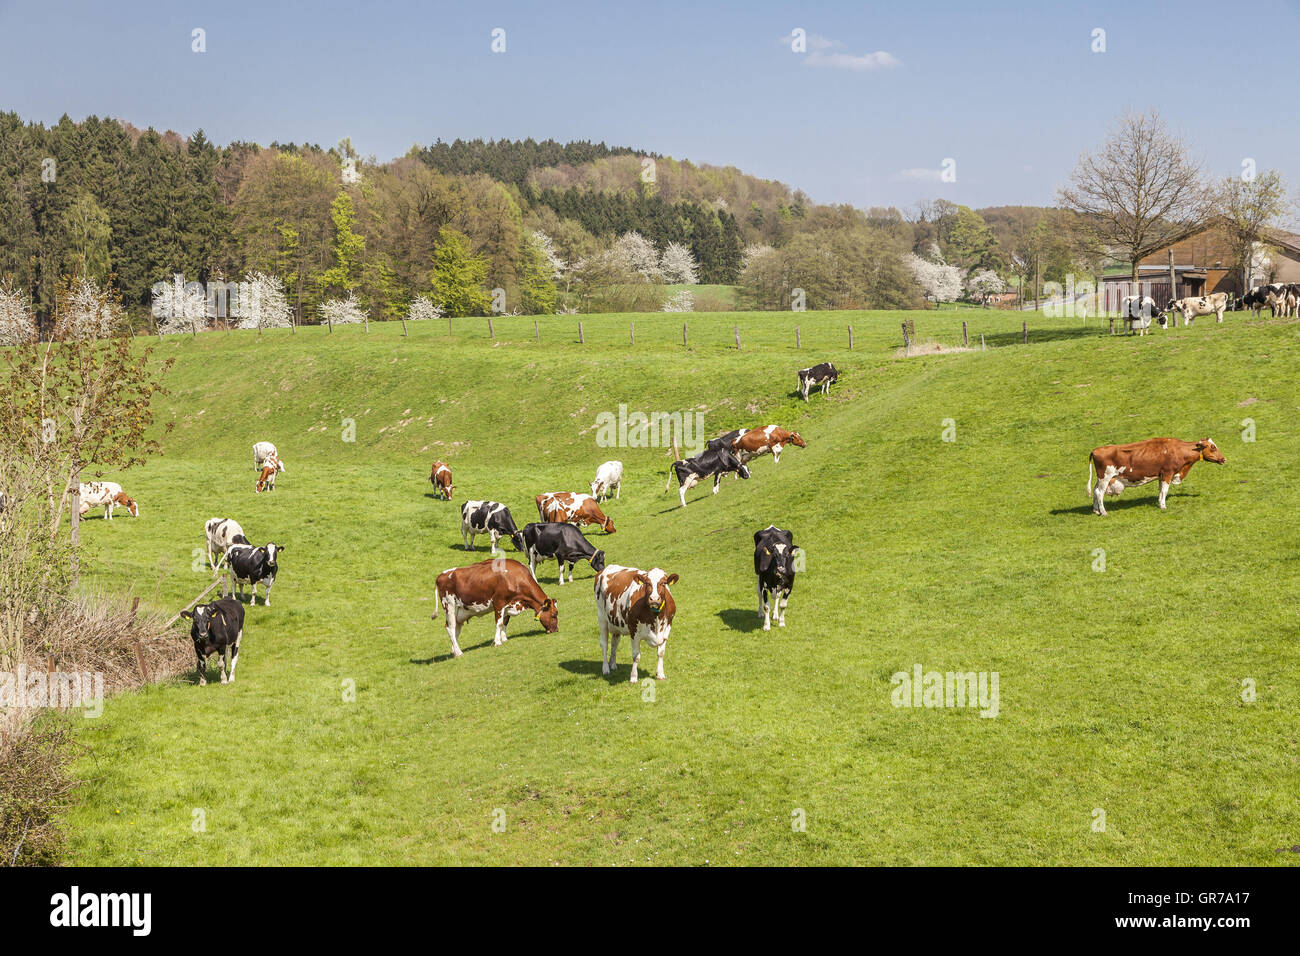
x=1120, y=690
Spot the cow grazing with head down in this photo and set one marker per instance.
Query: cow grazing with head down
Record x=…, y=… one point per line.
x=1212, y=304
x=217, y=628
x=573, y=508
x=502, y=587
x=487, y=517
x=764, y=441
x=637, y=603
x=250, y=564
x=774, y=564
x=1137, y=312
x=609, y=475
x=221, y=534
x=262, y=451
x=1117, y=467
x=712, y=462
x=107, y=495
x=440, y=478
x=563, y=542
x=824, y=375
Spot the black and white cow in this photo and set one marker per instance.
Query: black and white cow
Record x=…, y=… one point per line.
x=724, y=441
x=487, y=517
x=1137, y=312
x=823, y=375
x=221, y=533
x=217, y=628
x=251, y=564
x=713, y=462
x=563, y=542
x=774, y=564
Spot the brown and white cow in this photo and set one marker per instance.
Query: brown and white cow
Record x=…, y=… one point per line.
x=266, y=480
x=761, y=441
x=440, y=478
x=501, y=586
x=107, y=495
x=637, y=603
x=572, y=507
x=1212, y=304
x=1117, y=467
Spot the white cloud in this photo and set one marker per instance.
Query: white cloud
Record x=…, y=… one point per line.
x=820, y=54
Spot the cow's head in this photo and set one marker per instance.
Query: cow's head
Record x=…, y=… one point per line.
x=267, y=471
x=778, y=557
x=743, y=471
x=608, y=526
x=519, y=541
x=1210, y=452
x=797, y=441
x=549, y=615
x=200, y=622
x=128, y=503
x=598, y=562
x=835, y=374
x=656, y=584
x=273, y=556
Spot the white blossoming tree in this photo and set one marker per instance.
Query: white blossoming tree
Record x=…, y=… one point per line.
x=681, y=301
x=678, y=264
x=89, y=313
x=939, y=282
x=422, y=308
x=985, y=283
x=262, y=303
x=16, y=323
x=638, y=254
x=345, y=311
x=547, y=245
x=179, y=307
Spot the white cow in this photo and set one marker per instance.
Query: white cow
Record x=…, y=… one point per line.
x=609, y=475
x=221, y=533
x=263, y=451
x=636, y=603
x=1137, y=310
x=1212, y=304
x=107, y=495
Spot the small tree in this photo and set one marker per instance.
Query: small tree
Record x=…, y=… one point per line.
x=638, y=254
x=1248, y=207
x=985, y=283
x=422, y=308
x=345, y=311
x=938, y=281
x=678, y=264
x=459, y=276
x=178, y=307
x=16, y=323
x=263, y=303
x=537, y=279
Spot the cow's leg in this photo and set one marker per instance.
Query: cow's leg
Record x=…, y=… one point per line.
x=636, y=654
x=764, y=611
x=492, y=536
x=469, y=539
x=502, y=619
x=776, y=454
x=659, y=663
x=618, y=489
x=784, y=597
x=454, y=624
x=605, y=657
x=203, y=667
x=1099, y=493
x=266, y=600
x=234, y=661
x=614, y=637
x=717, y=479
x=1165, y=479
x=532, y=563
x=223, y=659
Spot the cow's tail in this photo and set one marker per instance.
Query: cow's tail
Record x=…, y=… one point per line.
x=1091, y=473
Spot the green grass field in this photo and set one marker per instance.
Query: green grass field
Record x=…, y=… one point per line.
x=1120, y=690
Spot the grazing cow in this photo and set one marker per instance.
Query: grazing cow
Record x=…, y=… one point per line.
x=221, y=534
x=563, y=542
x=637, y=603
x=823, y=375
x=251, y=564
x=1212, y=304
x=503, y=586
x=714, y=462
x=217, y=628
x=108, y=495
x=1136, y=311
x=1117, y=467
x=490, y=518
x=762, y=441
x=1264, y=295
x=573, y=508
x=609, y=475
x=774, y=550
x=440, y=478
x=266, y=480
x=725, y=441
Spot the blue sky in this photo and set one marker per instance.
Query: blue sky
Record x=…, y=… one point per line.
x=867, y=115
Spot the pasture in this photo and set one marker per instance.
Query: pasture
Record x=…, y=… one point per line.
x=1121, y=689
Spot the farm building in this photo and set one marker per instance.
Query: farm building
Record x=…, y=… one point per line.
x=1201, y=263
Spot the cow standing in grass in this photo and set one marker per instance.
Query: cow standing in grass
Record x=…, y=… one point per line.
x=765, y=441
x=1117, y=467
x=253, y=565
x=502, y=587
x=221, y=534
x=217, y=628
x=108, y=495
x=1190, y=308
x=637, y=603
x=823, y=375
x=563, y=542
x=712, y=463
x=440, y=478
x=774, y=565
x=573, y=508
x=1137, y=311
x=609, y=475
x=487, y=517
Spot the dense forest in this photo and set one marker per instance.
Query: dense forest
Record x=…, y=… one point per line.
x=464, y=227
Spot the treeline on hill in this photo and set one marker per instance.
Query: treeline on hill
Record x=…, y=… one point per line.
x=457, y=228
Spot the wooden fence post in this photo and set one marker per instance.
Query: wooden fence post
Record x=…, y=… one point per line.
x=684, y=335
x=907, y=346
x=492, y=333
x=850, y=338
x=965, y=337
x=983, y=347
x=797, y=343
x=1112, y=325
x=403, y=326
x=1025, y=329
x=581, y=340
x=735, y=330
x=449, y=325
x=631, y=332
x=537, y=331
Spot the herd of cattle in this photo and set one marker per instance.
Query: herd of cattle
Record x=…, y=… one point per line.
x=1280, y=298
x=631, y=601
